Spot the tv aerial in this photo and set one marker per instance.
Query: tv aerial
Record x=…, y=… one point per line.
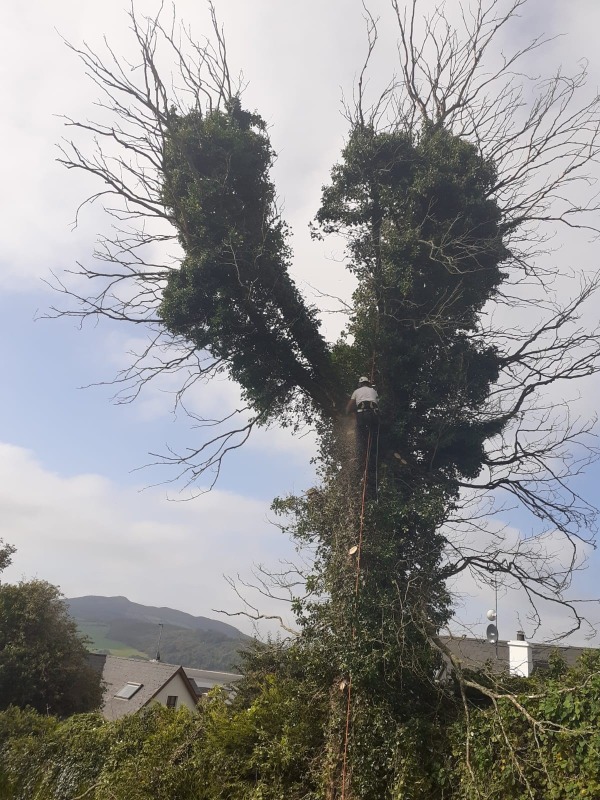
x=491, y=632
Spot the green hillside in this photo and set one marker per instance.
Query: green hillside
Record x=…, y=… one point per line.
x=97, y=633
x=119, y=627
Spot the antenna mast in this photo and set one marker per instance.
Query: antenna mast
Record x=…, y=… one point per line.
x=160, y=626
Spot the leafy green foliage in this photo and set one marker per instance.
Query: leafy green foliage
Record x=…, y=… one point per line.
x=233, y=295
x=426, y=242
x=546, y=744
x=6, y=552
x=43, y=659
x=265, y=749
x=371, y=642
x=273, y=741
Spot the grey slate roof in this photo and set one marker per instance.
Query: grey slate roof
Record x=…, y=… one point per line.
x=117, y=671
x=542, y=652
x=205, y=680
x=477, y=653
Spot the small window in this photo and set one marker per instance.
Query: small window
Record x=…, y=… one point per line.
x=127, y=692
x=172, y=701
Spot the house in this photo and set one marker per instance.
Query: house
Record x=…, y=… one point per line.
x=132, y=684
x=204, y=680
x=515, y=657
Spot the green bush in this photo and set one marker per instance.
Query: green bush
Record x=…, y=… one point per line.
x=541, y=740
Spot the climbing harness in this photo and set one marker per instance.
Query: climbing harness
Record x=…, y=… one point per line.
x=367, y=405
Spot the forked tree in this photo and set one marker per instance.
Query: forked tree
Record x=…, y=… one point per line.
x=447, y=189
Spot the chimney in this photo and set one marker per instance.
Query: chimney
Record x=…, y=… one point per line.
x=520, y=656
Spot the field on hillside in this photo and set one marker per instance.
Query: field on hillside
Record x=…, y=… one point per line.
x=96, y=632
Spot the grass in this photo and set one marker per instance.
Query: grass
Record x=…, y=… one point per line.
x=96, y=632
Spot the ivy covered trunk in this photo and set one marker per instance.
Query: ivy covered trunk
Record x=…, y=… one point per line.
x=425, y=242
x=376, y=518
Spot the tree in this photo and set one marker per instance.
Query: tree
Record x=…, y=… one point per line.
x=444, y=190
x=462, y=396
x=6, y=553
x=43, y=658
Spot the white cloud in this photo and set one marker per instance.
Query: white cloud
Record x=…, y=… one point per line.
x=209, y=400
x=90, y=537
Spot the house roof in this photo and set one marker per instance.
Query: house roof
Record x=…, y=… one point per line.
x=542, y=652
x=478, y=653
x=150, y=675
x=204, y=680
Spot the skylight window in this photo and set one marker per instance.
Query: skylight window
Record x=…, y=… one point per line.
x=127, y=692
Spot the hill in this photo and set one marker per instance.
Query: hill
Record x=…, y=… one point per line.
x=118, y=626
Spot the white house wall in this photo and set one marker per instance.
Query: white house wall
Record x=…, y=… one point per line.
x=175, y=686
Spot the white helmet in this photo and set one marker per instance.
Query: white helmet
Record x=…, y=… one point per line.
x=363, y=380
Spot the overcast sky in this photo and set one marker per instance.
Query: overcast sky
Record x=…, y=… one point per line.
x=72, y=498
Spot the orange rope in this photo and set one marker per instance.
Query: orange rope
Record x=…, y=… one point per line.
x=362, y=514
x=346, y=737
x=356, y=590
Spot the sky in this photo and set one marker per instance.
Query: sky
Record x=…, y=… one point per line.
x=75, y=497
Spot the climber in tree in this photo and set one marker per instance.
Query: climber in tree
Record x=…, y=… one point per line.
x=365, y=401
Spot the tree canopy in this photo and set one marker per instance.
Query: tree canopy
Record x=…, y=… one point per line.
x=43, y=659
x=6, y=553
x=233, y=295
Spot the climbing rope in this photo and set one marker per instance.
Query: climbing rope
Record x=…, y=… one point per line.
x=378, y=425
x=357, y=580
x=356, y=591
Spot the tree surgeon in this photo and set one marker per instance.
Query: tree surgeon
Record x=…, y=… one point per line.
x=365, y=402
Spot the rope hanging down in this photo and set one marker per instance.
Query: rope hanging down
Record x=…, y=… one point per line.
x=357, y=580
x=356, y=591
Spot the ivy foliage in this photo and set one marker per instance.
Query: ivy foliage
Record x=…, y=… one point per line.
x=543, y=743
x=366, y=634
x=233, y=295
x=426, y=241
x=541, y=740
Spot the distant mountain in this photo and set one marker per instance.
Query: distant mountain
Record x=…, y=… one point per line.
x=94, y=607
x=117, y=626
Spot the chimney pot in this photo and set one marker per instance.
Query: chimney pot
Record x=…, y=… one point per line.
x=520, y=636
